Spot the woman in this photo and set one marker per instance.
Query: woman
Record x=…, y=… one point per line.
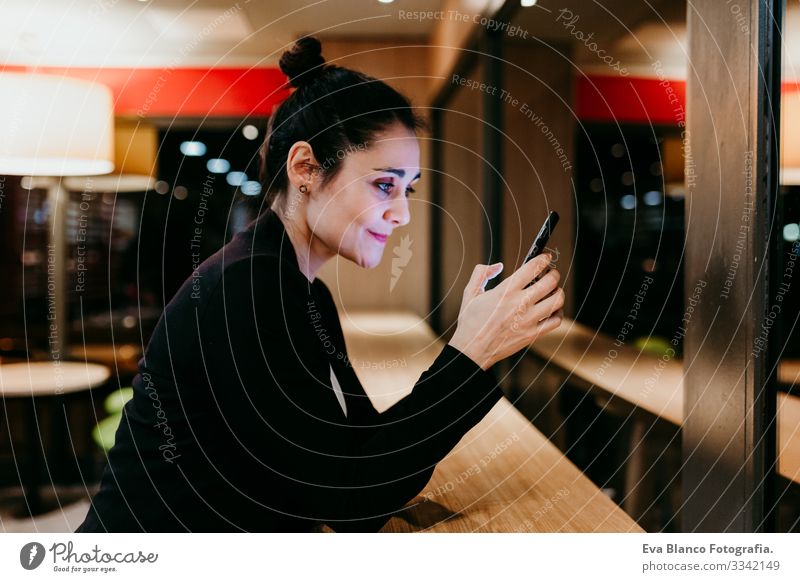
x=247, y=415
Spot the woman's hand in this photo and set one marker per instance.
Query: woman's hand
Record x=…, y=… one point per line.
x=495, y=324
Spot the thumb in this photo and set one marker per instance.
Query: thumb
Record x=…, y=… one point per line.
x=492, y=271
x=480, y=275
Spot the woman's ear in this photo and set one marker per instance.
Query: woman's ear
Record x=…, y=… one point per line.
x=301, y=165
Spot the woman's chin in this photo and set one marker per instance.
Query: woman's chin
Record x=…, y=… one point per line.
x=368, y=260
x=373, y=263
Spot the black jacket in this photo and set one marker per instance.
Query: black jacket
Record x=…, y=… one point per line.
x=234, y=425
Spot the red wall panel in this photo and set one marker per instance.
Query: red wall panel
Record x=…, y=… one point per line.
x=185, y=91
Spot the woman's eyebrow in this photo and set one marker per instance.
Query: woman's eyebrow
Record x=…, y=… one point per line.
x=397, y=171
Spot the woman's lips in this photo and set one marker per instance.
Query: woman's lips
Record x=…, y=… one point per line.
x=379, y=237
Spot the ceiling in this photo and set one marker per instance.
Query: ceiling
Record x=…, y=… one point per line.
x=606, y=20
x=185, y=33
x=637, y=34
x=129, y=33
x=634, y=34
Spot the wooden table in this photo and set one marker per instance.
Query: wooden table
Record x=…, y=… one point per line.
x=34, y=381
x=503, y=476
x=652, y=385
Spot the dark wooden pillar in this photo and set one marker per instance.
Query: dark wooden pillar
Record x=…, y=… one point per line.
x=732, y=180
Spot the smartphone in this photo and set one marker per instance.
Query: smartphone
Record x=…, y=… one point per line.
x=543, y=236
x=540, y=241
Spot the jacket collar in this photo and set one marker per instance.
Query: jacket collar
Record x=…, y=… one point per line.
x=269, y=234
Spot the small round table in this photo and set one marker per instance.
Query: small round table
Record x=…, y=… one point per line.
x=44, y=380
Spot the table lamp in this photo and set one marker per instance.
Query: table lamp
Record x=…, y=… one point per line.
x=135, y=161
x=55, y=127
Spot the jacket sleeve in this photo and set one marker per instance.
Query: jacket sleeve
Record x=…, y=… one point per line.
x=350, y=476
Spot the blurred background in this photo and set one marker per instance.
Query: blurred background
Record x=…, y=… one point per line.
x=582, y=110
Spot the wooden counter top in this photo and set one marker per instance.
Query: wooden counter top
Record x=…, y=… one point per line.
x=652, y=384
x=503, y=476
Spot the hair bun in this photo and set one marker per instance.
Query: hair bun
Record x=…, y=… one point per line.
x=303, y=62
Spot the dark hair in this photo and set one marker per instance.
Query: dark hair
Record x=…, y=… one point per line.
x=335, y=109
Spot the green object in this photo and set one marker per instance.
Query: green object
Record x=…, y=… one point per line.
x=117, y=399
x=103, y=433
x=656, y=345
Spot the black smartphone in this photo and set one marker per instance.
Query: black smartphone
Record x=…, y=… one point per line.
x=543, y=236
x=540, y=241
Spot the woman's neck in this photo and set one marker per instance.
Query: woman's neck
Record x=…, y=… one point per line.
x=311, y=253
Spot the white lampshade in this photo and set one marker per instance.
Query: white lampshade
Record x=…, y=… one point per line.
x=54, y=126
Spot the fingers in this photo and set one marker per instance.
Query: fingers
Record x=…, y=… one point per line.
x=548, y=306
x=543, y=287
x=549, y=324
x=529, y=315
x=480, y=275
x=542, y=320
x=542, y=310
x=527, y=272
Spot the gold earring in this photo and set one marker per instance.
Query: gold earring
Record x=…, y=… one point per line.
x=303, y=188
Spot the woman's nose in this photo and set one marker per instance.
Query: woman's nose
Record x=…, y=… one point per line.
x=398, y=212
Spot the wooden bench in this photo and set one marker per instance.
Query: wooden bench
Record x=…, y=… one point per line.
x=503, y=476
x=653, y=387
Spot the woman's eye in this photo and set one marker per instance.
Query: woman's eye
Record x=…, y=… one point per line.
x=385, y=187
x=409, y=190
